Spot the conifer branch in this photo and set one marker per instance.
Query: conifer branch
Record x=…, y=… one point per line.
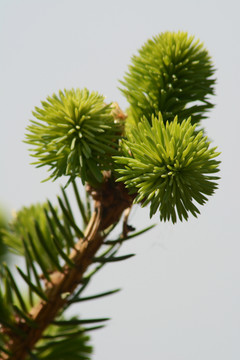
x=110, y=202
x=154, y=155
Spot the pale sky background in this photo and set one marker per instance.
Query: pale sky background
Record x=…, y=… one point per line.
x=181, y=293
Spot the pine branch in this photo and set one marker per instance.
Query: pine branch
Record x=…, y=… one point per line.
x=158, y=154
x=110, y=202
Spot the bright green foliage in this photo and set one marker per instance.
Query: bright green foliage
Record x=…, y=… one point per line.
x=163, y=161
x=75, y=135
x=26, y=224
x=171, y=74
x=169, y=166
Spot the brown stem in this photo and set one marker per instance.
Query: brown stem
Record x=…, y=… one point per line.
x=110, y=202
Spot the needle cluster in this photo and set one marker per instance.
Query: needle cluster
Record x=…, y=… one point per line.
x=169, y=166
x=75, y=135
x=172, y=73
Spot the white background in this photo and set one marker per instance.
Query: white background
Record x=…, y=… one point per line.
x=181, y=293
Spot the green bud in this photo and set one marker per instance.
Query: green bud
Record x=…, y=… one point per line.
x=172, y=74
x=169, y=166
x=75, y=135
